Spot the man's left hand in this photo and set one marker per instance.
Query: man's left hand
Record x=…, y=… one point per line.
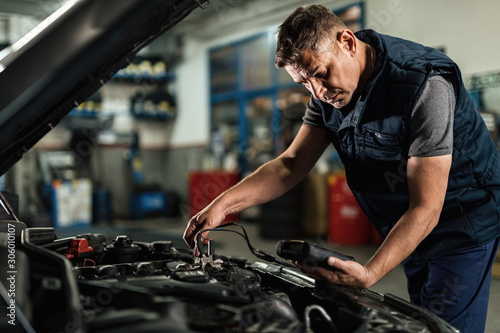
x=346, y=273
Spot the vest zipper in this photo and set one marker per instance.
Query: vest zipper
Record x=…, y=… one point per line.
x=376, y=135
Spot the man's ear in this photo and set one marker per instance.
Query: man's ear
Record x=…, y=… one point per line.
x=347, y=41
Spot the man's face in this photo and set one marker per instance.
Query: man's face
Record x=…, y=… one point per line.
x=331, y=76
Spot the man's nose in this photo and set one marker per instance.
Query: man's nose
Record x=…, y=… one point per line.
x=317, y=89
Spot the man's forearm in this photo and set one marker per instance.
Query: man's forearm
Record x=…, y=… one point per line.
x=268, y=182
x=403, y=239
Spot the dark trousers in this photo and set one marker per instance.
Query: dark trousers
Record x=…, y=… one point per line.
x=454, y=286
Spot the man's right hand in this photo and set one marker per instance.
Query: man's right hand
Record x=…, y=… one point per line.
x=210, y=217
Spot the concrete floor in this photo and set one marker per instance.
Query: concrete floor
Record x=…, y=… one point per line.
x=234, y=245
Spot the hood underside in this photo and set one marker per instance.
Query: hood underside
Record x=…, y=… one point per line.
x=67, y=58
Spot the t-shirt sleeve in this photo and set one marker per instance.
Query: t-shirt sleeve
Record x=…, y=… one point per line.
x=313, y=116
x=431, y=121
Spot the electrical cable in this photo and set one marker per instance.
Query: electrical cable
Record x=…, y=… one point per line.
x=307, y=316
x=6, y=206
x=256, y=252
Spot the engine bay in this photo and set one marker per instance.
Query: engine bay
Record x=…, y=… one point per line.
x=88, y=283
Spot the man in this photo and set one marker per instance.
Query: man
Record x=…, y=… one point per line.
x=417, y=156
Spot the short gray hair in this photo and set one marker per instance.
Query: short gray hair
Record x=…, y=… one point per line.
x=308, y=27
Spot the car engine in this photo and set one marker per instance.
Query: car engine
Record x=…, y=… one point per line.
x=88, y=283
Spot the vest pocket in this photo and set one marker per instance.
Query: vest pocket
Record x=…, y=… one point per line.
x=380, y=146
x=480, y=210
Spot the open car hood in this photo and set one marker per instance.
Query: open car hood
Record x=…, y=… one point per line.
x=67, y=58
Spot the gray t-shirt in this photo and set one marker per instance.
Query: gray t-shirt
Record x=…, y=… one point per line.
x=431, y=121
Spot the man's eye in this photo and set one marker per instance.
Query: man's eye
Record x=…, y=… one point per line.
x=320, y=75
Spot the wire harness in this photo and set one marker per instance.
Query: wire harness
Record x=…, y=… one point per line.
x=256, y=252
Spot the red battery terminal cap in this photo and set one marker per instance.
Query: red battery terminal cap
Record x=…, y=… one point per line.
x=79, y=247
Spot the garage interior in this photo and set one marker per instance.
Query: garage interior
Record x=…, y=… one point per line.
x=203, y=106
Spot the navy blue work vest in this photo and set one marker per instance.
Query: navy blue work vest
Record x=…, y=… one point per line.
x=372, y=141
